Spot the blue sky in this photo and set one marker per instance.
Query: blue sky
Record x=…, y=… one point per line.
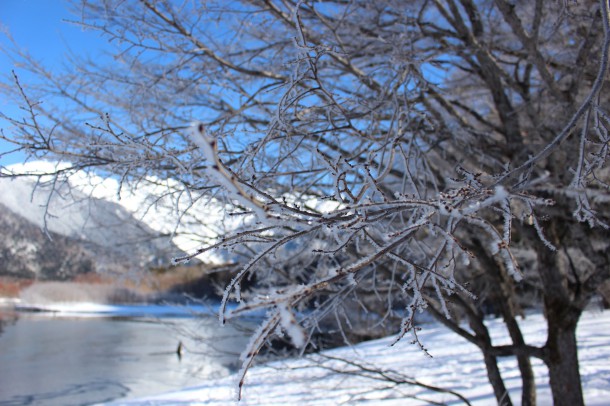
x=38, y=27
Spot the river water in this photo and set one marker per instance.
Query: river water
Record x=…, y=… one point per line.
x=47, y=360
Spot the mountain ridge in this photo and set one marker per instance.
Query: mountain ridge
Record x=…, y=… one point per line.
x=72, y=233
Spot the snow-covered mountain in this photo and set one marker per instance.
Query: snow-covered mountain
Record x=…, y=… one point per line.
x=83, y=215
x=144, y=224
x=27, y=252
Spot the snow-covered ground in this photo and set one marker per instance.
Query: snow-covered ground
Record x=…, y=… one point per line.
x=455, y=365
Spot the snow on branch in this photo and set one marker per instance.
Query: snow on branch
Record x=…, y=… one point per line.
x=361, y=154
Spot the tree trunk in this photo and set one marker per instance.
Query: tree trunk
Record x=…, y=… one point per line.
x=528, y=391
x=495, y=379
x=481, y=339
x=563, y=307
x=561, y=357
x=503, y=298
x=507, y=305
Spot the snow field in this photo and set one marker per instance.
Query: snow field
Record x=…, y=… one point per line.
x=336, y=377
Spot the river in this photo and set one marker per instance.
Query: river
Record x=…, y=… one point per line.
x=49, y=360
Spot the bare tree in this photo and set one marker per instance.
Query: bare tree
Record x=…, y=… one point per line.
x=403, y=155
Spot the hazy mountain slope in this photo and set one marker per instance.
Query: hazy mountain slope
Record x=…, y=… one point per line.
x=26, y=252
x=190, y=220
x=93, y=233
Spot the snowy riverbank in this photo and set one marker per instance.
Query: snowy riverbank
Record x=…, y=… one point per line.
x=455, y=365
x=85, y=309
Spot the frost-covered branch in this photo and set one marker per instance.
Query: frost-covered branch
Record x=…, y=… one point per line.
x=384, y=155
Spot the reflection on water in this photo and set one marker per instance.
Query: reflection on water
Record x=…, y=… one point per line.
x=7, y=318
x=78, y=361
